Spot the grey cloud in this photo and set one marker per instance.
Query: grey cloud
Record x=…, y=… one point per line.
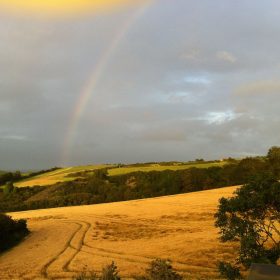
x=259, y=88
x=188, y=79
x=226, y=56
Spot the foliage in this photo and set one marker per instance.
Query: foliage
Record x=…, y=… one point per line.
x=109, y=272
x=96, y=186
x=228, y=271
x=12, y=231
x=10, y=177
x=252, y=218
x=8, y=188
x=160, y=269
x=273, y=157
x=85, y=275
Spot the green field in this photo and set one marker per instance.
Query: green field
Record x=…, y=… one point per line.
x=69, y=173
x=60, y=175
x=158, y=167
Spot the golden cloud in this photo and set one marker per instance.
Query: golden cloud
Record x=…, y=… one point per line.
x=259, y=87
x=62, y=7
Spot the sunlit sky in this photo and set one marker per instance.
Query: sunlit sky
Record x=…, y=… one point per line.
x=135, y=81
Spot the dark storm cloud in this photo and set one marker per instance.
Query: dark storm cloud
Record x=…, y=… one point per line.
x=188, y=79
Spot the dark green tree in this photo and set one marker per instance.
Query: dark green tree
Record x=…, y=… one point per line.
x=252, y=218
x=11, y=231
x=8, y=188
x=273, y=157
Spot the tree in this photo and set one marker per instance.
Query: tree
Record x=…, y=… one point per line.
x=273, y=157
x=229, y=271
x=12, y=231
x=8, y=188
x=252, y=218
x=248, y=168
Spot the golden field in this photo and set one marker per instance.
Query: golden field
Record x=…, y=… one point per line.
x=64, y=241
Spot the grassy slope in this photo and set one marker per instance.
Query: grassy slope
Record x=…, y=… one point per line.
x=61, y=175
x=64, y=240
x=157, y=167
x=56, y=176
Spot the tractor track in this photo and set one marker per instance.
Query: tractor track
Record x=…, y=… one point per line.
x=82, y=228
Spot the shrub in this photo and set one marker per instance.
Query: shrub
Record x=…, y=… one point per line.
x=109, y=272
x=12, y=231
x=160, y=269
x=86, y=276
x=229, y=272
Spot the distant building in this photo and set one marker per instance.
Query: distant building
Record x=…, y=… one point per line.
x=264, y=272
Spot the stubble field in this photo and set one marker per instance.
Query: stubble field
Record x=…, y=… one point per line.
x=65, y=241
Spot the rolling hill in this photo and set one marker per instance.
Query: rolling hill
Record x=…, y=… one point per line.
x=64, y=241
x=70, y=173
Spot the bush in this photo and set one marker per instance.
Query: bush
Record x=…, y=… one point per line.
x=12, y=231
x=229, y=272
x=160, y=269
x=109, y=272
x=86, y=276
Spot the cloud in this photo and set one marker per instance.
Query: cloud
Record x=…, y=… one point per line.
x=221, y=117
x=259, y=88
x=203, y=85
x=14, y=137
x=163, y=134
x=192, y=53
x=226, y=56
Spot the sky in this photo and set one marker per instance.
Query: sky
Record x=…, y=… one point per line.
x=137, y=81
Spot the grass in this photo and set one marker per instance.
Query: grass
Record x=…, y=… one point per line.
x=157, y=167
x=68, y=240
x=60, y=175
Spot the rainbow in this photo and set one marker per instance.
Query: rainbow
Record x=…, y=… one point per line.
x=89, y=87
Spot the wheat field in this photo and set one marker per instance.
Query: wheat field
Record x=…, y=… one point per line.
x=65, y=241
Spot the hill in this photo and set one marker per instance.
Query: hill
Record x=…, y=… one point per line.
x=71, y=173
x=67, y=240
x=60, y=175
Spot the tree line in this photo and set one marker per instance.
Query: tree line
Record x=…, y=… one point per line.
x=100, y=188
x=11, y=177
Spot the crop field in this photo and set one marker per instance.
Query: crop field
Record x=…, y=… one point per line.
x=65, y=241
x=64, y=174
x=60, y=175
